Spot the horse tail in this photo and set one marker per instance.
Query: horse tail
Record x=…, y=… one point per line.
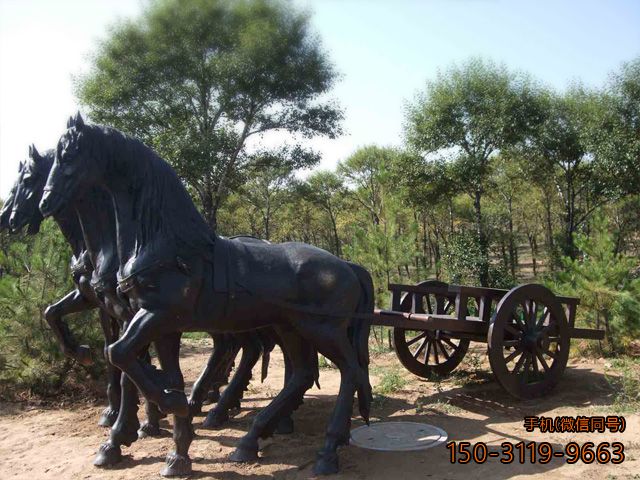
x=359, y=336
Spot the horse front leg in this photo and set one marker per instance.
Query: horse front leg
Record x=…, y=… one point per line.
x=178, y=462
x=148, y=326
x=151, y=426
x=110, y=331
x=72, y=302
x=124, y=430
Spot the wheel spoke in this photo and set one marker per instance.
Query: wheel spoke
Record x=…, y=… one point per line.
x=444, y=351
x=551, y=354
x=415, y=339
x=417, y=354
x=518, y=321
x=426, y=352
x=435, y=353
x=525, y=372
x=543, y=362
x=543, y=318
x=534, y=363
x=519, y=363
x=449, y=342
x=513, y=355
x=448, y=305
x=532, y=314
x=429, y=307
x=511, y=343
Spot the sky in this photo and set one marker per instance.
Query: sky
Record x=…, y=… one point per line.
x=385, y=50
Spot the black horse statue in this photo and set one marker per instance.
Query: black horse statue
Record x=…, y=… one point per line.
x=180, y=276
x=92, y=266
x=90, y=222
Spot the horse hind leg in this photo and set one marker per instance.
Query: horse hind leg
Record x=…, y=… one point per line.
x=334, y=344
x=215, y=374
x=302, y=378
x=231, y=396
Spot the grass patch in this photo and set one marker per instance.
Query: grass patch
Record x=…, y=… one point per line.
x=625, y=383
x=195, y=335
x=439, y=406
x=390, y=382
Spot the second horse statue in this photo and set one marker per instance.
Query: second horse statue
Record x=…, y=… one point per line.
x=179, y=276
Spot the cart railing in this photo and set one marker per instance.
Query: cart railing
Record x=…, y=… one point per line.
x=461, y=294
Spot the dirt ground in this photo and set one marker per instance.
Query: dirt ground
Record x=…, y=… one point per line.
x=59, y=443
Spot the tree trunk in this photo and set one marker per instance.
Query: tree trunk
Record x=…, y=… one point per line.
x=336, y=238
x=482, y=240
x=512, y=248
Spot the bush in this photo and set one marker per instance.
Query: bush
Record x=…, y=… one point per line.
x=34, y=272
x=604, y=281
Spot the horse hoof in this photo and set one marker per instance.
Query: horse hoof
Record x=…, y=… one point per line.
x=244, y=455
x=215, y=420
x=176, y=466
x=83, y=355
x=108, y=417
x=107, y=455
x=326, y=463
x=148, y=430
x=285, y=426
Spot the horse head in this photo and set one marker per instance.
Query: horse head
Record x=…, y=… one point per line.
x=28, y=191
x=73, y=169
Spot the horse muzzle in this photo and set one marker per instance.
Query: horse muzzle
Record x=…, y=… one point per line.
x=51, y=203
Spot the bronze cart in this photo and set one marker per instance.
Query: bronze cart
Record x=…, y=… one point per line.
x=527, y=329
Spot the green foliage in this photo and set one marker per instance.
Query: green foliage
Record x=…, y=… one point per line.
x=470, y=113
x=391, y=382
x=197, y=79
x=625, y=382
x=604, y=282
x=35, y=273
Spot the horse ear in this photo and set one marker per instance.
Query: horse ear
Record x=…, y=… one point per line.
x=70, y=122
x=78, y=121
x=34, y=154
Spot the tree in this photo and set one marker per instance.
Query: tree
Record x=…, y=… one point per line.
x=604, y=281
x=563, y=143
x=326, y=190
x=198, y=79
x=616, y=136
x=269, y=181
x=471, y=112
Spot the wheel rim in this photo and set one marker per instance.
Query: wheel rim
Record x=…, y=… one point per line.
x=424, y=352
x=528, y=341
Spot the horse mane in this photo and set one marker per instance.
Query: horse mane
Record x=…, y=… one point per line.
x=162, y=206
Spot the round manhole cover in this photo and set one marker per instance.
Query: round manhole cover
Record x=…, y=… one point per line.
x=398, y=436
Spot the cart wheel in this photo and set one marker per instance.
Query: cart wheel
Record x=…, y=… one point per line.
x=528, y=341
x=427, y=352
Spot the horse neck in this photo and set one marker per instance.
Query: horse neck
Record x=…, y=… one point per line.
x=97, y=219
x=151, y=204
x=69, y=225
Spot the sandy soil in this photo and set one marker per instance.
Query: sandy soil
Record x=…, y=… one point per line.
x=38, y=443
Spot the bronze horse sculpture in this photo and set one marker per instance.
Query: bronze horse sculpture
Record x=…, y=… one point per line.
x=91, y=235
x=90, y=222
x=179, y=276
